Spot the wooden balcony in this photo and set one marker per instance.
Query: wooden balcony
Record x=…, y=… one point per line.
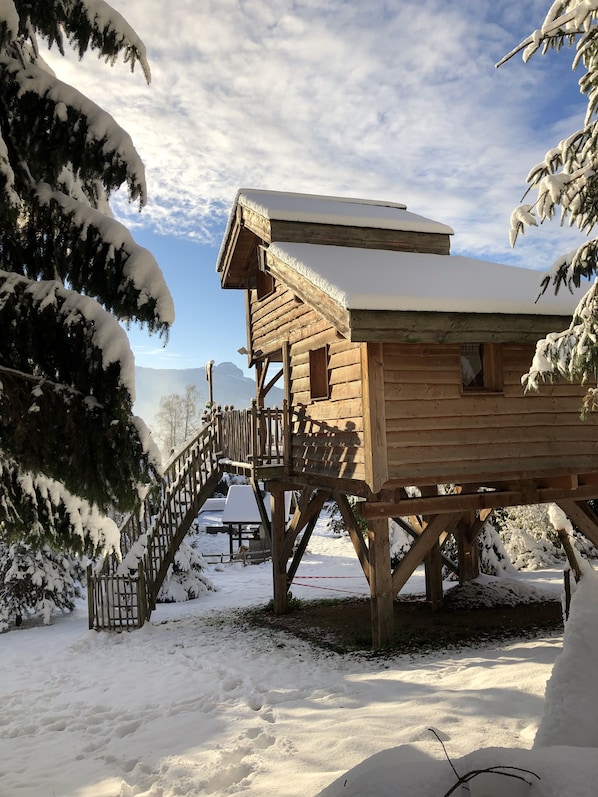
x=254, y=442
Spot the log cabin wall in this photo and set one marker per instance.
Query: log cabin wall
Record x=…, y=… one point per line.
x=437, y=433
x=327, y=432
x=276, y=318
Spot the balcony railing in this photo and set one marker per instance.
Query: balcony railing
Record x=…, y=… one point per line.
x=257, y=437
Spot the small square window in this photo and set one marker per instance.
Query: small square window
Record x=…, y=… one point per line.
x=318, y=373
x=264, y=284
x=481, y=367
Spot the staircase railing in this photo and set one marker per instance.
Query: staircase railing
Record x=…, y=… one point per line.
x=123, y=593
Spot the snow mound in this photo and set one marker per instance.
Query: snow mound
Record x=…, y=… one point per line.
x=487, y=592
x=570, y=715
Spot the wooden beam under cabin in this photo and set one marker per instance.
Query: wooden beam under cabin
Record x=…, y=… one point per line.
x=406, y=326
x=465, y=502
x=441, y=524
x=279, y=563
x=309, y=507
x=311, y=520
x=355, y=533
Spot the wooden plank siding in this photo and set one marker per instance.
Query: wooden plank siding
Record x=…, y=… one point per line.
x=274, y=319
x=442, y=327
x=435, y=433
x=326, y=434
x=269, y=230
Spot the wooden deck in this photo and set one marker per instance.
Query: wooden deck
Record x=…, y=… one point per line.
x=254, y=442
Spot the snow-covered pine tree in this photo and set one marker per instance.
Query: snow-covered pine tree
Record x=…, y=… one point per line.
x=69, y=272
x=566, y=178
x=35, y=583
x=187, y=575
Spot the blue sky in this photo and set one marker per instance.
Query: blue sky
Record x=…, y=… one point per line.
x=392, y=99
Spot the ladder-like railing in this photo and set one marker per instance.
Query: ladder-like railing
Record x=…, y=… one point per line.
x=123, y=593
x=257, y=436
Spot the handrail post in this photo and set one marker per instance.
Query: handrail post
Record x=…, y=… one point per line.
x=142, y=602
x=218, y=427
x=254, y=433
x=90, y=597
x=286, y=436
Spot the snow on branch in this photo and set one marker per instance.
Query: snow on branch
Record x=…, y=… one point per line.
x=106, y=31
x=9, y=20
x=73, y=309
x=572, y=353
x=45, y=507
x=140, y=271
x=564, y=22
x=100, y=129
x=7, y=177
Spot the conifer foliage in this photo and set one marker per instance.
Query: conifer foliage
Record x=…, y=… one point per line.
x=69, y=272
x=567, y=179
x=35, y=583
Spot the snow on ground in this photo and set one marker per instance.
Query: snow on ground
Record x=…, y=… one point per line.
x=196, y=704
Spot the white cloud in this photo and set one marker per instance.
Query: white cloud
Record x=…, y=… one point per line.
x=393, y=100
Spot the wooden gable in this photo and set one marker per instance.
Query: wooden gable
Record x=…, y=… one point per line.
x=250, y=227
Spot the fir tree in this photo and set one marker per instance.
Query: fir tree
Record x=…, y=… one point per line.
x=70, y=446
x=186, y=578
x=35, y=583
x=566, y=179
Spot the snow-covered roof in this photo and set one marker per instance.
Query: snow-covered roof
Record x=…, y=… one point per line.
x=343, y=211
x=241, y=505
x=374, y=279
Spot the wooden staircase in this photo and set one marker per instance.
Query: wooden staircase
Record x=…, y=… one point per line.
x=122, y=594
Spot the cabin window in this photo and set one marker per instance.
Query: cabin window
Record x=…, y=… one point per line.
x=265, y=284
x=318, y=373
x=481, y=367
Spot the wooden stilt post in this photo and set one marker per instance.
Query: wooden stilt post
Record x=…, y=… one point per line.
x=279, y=560
x=381, y=595
x=467, y=554
x=433, y=566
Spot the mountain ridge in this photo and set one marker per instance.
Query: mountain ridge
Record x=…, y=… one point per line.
x=230, y=387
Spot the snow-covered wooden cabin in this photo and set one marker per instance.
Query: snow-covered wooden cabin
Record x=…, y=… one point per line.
x=401, y=366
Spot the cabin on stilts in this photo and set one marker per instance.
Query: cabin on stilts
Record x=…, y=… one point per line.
x=401, y=366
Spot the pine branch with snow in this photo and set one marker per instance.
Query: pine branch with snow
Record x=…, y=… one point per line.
x=43, y=511
x=565, y=183
x=35, y=583
x=187, y=576
x=69, y=273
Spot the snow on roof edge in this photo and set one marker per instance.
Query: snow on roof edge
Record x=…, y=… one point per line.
x=343, y=211
x=362, y=279
x=351, y=200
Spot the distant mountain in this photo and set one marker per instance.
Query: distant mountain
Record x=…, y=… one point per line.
x=230, y=387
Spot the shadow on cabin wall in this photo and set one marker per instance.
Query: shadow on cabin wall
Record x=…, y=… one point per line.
x=318, y=447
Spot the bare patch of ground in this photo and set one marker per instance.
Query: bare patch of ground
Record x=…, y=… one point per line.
x=344, y=625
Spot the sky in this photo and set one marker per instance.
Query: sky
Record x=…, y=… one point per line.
x=168, y=711
x=394, y=100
